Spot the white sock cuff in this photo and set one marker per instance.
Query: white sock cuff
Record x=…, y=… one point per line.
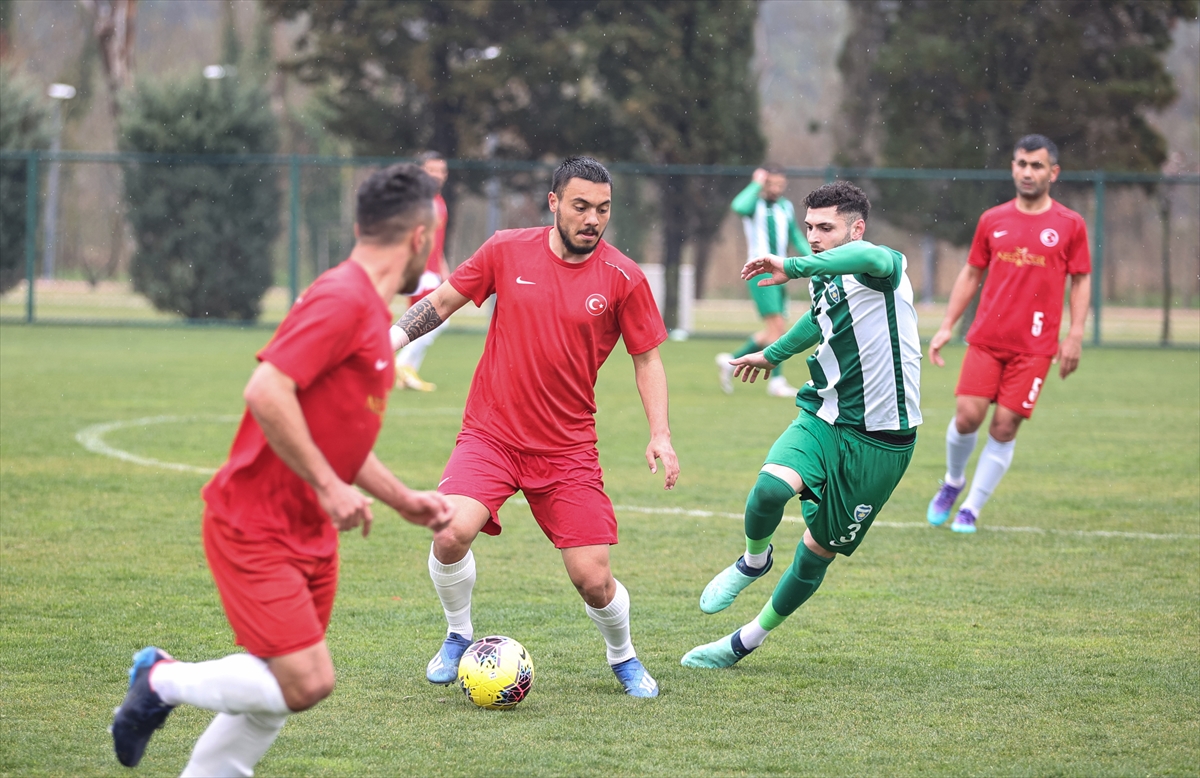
x=616, y=610
x=953, y=436
x=996, y=447
x=453, y=573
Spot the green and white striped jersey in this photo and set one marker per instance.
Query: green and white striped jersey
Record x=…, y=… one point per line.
x=769, y=227
x=866, y=373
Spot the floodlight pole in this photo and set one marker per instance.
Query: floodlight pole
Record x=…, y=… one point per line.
x=59, y=93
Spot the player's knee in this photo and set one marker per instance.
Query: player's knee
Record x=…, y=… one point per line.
x=596, y=590
x=304, y=693
x=769, y=493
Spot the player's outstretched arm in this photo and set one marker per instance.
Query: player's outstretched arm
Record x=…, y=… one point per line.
x=426, y=315
x=652, y=387
x=425, y=509
x=768, y=264
x=964, y=289
x=1071, y=348
x=271, y=397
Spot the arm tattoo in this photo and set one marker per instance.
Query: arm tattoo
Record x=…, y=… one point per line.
x=419, y=319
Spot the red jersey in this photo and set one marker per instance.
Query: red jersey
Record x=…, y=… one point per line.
x=334, y=344
x=1028, y=257
x=432, y=277
x=554, y=324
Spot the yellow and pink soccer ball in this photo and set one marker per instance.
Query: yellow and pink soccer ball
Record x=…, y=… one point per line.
x=495, y=672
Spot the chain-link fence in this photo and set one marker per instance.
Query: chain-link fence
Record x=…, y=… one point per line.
x=159, y=240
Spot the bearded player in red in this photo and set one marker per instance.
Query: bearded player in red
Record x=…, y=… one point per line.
x=1029, y=246
x=563, y=298
x=273, y=512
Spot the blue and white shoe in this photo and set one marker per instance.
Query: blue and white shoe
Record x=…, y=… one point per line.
x=964, y=522
x=633, y=676
x=141, y=712
x=443, y=668
x=724, y=588
x=939, y=507
x=725, y=652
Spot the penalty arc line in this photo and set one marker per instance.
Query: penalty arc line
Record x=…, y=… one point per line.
x=92, y=439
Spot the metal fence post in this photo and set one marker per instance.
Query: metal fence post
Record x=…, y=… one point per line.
x=31, y=192
x=1098, y=258
x=294, y=229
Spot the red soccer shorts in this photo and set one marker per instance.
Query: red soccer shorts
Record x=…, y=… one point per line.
x=565, y=491
x=277, y=601
x=1007, y=378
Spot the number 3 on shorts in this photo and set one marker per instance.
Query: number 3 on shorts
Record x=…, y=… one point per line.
x=1038, y=316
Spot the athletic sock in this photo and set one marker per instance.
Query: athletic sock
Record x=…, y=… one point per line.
x=958, y=451
x=454, y=583
x=795, y=586
x=613, y=622
x=764, y=511
x=232, y=745
x=239, y=683
x=413, y=354
x=993, y=464
x=749, y=347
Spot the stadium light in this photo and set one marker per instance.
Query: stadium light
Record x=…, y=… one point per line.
x=58, y=93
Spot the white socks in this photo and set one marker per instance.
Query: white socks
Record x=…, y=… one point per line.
x=993, y=464
x=413, y=354
x=453, y=584
x=232, y=745
x=613, y=622
x=239, y=683
x=753, y=634
x=249, y=702
x=958, y=451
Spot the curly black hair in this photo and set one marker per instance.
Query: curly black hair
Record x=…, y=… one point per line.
x=393, y=201
x=845, y=196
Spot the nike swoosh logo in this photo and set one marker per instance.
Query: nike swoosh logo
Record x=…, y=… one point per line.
x=999, y=233
x=380, y=364
x=523, y=281
x=444, y=480
x=1027, y=405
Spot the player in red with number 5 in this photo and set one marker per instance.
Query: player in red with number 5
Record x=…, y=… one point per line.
x=563, y=298
x=1029, y=246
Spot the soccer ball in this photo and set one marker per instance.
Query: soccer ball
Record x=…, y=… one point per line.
x=495, y=672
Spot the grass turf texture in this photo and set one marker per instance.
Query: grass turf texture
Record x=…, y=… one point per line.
x=1005, y=653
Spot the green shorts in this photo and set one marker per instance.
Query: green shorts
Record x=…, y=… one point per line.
x=847, y=475
x=771, y=300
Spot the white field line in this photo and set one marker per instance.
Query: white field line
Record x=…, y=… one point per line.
x=92, y=438
x=702, y=514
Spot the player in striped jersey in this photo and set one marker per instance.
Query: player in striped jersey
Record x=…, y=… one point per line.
x=854, y=436
x=769, y=220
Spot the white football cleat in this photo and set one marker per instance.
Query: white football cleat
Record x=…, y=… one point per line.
x=725, y=372
x=779, y=387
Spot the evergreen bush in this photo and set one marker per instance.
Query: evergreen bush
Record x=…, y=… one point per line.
x=204, y=232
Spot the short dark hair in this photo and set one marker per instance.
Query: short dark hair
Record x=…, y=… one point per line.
x=579, y=167
x=774, y=169
x=426, y=156
x=847, y=197
x=392, y=201
x=1035, y=142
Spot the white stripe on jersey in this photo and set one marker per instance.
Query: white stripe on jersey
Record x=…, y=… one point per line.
x=756, y=228
x=868, y=311
x=910, y=349
x=829, y=410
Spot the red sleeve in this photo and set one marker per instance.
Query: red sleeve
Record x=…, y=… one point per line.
x=641, y=324
x=476, y=278
x=317, y=334
x=981, y=247
x=1079, y=256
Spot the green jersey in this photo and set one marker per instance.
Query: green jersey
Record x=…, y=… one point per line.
x=866, y=373
x=769, y=226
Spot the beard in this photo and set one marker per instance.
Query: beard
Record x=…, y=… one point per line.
x=575, y=248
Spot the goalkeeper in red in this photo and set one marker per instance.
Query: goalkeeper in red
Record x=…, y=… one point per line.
x=1028, y=246
x=854, y=436
x=563, y=299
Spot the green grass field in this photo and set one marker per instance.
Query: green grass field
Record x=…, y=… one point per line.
x=1063, y=639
